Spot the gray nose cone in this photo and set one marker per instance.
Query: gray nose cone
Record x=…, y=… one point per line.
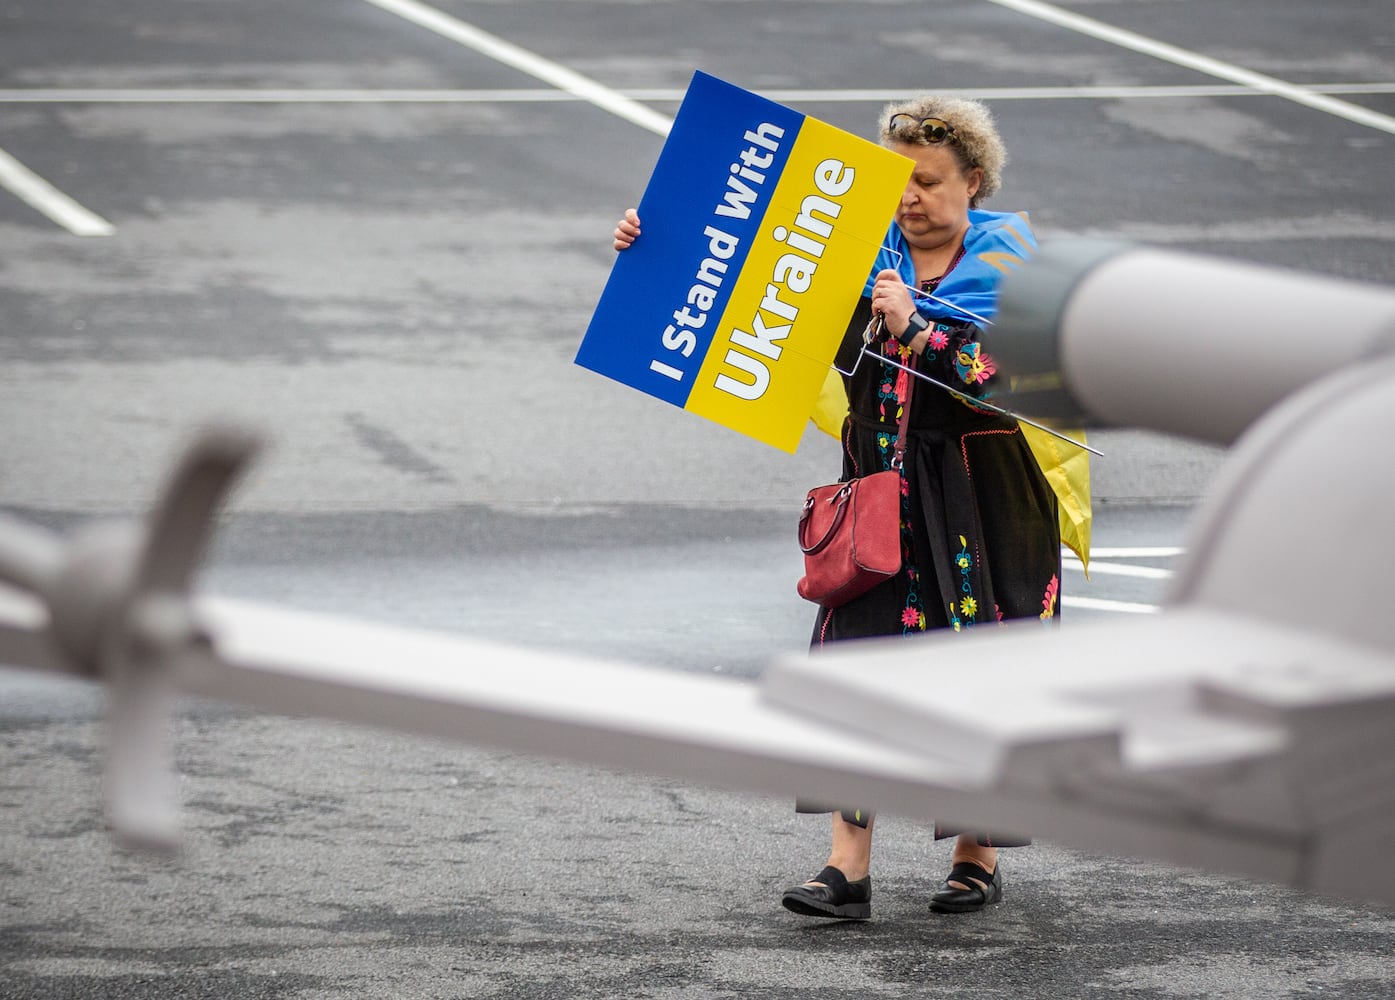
x=1026, y=337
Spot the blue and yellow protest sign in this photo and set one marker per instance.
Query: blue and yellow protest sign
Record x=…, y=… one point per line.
x=760, y=225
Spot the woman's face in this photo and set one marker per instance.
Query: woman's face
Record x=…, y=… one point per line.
x=935, y=205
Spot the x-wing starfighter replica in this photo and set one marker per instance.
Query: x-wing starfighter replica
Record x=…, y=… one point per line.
x=1248, y=727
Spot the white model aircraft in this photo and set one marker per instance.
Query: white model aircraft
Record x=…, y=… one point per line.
x=1250, y=726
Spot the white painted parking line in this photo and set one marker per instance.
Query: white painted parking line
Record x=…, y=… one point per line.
x=1099, y=604
x=1070, y=562
x=528, y=62
x=1119, y=569
x=210, y=95
x=1202, y=64
x=1136, y=551
x=32, y=189
x=1082, y=93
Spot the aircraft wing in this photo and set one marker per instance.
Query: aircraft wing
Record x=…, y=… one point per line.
x=1143, y=737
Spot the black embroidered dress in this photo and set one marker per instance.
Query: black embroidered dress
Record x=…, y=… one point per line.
x=980, y=540
x=979, y=532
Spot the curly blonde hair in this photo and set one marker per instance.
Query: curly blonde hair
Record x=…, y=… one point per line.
x=975, y=140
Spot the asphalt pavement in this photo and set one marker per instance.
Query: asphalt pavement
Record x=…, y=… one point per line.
x=324, y=860
x=380, y=244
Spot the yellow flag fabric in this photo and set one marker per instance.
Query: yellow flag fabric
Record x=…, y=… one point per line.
x=831, y=406
x=1066, y=468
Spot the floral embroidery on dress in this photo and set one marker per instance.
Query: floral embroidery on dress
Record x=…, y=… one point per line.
x=912, y=616
x=973, y=366
x=967, y=611
x=888, y=402
x=939, y=337
x=1048, y=602
x=891, y=395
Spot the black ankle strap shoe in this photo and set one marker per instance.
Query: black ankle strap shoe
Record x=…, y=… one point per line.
x=836, y=898
x=974, y=896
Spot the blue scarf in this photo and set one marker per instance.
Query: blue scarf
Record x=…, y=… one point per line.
x=995, y=244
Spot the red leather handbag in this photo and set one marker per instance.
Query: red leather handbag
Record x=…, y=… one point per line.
x=850, y=532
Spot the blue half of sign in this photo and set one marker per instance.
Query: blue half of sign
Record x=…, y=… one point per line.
x=704, y=203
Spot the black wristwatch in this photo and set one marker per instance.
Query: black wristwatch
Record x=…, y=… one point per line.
x=914, y=324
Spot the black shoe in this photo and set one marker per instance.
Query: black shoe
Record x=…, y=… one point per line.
x=837, y=897
x=973, y=897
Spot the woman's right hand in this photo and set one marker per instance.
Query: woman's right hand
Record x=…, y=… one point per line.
x=627, y=230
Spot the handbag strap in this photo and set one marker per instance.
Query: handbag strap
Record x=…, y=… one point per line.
x=841, y=498
x=899, y=453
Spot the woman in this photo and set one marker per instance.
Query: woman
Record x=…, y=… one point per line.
x=979, y=525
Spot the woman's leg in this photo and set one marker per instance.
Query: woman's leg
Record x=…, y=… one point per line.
x=970, y=888
x=967, y=848
x=843, y=889
x=851, y=852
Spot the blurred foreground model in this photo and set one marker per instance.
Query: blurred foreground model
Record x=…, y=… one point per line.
x=1248, y=727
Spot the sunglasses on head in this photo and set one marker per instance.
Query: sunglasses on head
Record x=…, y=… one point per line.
x=933, y=129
